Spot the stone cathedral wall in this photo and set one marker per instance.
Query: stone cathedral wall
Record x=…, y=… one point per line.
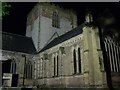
x=19, y=59
x=39, y=23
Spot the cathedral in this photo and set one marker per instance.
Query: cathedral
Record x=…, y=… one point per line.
x=57, y=53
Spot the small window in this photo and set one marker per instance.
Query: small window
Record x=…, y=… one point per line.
x=74, y=59
x=13, y=67
x=57, y=65
x=28, y=73
x=55, y=20
x=54, y=67
x=79, y=60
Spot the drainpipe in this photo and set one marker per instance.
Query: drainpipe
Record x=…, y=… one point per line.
x=39, y=16
x=24, y=70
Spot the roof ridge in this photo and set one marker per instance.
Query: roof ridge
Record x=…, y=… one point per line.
x=71, y=30
x=18, y=43
x=64, y=37
x=14, y=34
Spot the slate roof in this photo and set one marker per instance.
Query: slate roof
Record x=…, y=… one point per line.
x=17, y=43
x=76, y=31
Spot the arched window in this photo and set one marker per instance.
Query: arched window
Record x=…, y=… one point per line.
x=28, y=73
x=57, y=65
x=30, y=70
x=13, y=67
x=79, y=60
x=74, y=59
x=55, y=20
x=54, y=66
x=38, y=68
x=113, y=55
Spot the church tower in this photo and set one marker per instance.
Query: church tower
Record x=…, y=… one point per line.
x=47, y=21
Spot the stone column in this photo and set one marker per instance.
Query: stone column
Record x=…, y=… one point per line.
x=72, y=62
x=52, y=66
x=77, y=62
x=22, y=72
x=93, y=58
x=85, y=56
x=100, y=74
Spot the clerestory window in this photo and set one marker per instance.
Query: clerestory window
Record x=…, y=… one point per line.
x=55, y=20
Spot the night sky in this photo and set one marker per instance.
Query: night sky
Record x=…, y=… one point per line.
x=16, y=21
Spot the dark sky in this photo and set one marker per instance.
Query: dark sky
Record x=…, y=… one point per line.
x=16, y=21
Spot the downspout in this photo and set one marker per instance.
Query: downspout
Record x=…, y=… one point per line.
x=39, y=16
x=24, y=70
x=39, y=12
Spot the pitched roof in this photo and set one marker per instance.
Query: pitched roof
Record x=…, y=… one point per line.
x=76, y=31
x=17, y=43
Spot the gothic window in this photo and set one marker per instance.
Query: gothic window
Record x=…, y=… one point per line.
x=54, y=66
x=38, y=68
x=28, y=73
x=79, y=60
x=74, y=59
x=57, y=65
x=112, y=52
x=13, y=67
x=42, y=68
x=55, y=20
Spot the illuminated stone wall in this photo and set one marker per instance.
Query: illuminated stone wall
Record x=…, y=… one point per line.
x=92, y=68
x=39, y=23
x=20, y=65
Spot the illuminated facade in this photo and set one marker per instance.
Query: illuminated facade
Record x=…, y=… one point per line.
x=64, y=54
